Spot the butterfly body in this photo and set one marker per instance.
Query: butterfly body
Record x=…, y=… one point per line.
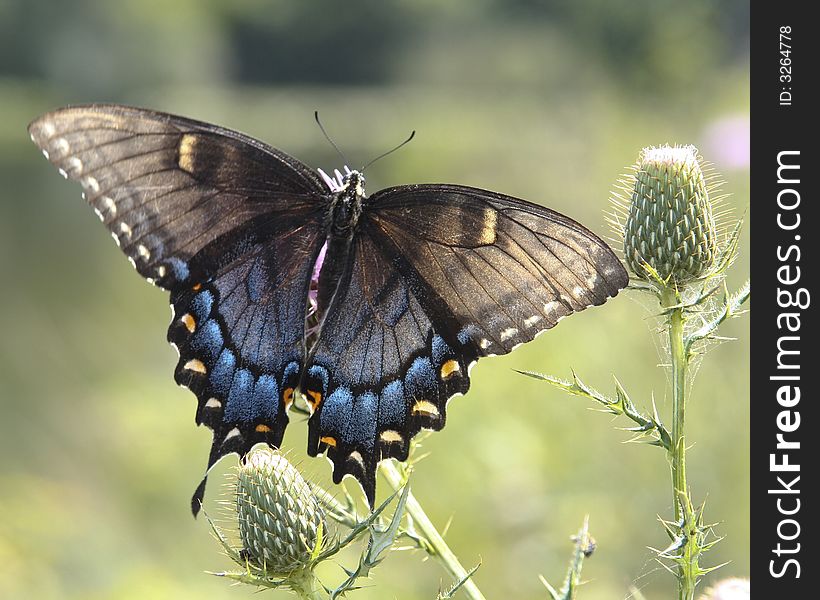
x=344, y=210
x=285, y=281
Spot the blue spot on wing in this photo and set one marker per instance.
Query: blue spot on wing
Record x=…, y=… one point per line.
x=202, y=304
x=222, y=373
x=290, y=371
x=179, y=268
x=265, y=399
x=239, y=406
x=361, y=430
x=440, y=350
x=321, y=374
x=207, y=340
x=335, y=413
x=392, y=406
x=420, y=379
x=469, y=333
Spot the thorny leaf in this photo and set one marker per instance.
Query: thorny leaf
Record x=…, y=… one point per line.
x=380, y=541
x=622, y=405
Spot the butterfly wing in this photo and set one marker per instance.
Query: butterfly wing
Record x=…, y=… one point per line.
x=230, y=226
x=498, y=269
x=166, y=186
x=439, y=276
x=240, y=335
x=372, y=379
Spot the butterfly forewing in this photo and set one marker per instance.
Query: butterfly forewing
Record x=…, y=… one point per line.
x=500, y=268
x=166, y=186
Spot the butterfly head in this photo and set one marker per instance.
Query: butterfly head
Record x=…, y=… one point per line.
x=347, y=203
x=354, y=181
x=349, y=181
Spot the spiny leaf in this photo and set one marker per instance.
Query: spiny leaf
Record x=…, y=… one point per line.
x=380, y=541
x=620, y=405
x=730, y=308
x=360, y=527
x=449, y=593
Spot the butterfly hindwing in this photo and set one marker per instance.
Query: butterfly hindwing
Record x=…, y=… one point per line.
x=240, y=335
x=381, y=370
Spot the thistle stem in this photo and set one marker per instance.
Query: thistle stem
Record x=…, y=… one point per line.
x=678, y=352
x=684, y=514
x=442, y=551
x=306, y=586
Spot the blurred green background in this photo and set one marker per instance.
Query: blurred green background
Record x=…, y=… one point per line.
x=548, y=101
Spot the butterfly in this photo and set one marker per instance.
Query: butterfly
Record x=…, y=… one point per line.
x=288, y=283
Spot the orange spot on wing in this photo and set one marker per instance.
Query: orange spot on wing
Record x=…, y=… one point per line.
x=450, y=368
x=196, y=365
x=189, y=322
x=329, y=440
x=315, y=398
x=287, y=395
x=197, y=287
x=262, y=428
x=390, y=436
x=425, y=408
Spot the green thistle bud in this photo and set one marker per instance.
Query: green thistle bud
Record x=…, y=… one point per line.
x=280, y=521
x=670, y=226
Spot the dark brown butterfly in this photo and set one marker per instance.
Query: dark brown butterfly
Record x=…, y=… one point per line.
x=284, y=280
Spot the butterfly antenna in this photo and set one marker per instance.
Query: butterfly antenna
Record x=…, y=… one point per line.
x=380, y=156
x=327, y=137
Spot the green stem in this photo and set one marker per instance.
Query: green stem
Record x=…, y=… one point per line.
x=684, y=514
x=306, y=586
x=678, y=352
x=443, y=553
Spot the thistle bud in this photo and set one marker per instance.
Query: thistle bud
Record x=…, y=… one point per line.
x=670, y=226
x=279, y=517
